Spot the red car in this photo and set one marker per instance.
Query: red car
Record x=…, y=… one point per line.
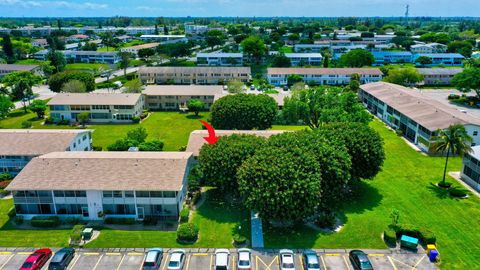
x=37, y=259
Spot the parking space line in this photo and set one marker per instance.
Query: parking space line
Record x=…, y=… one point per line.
x=112, y=254
x=415, y=266
x=5, y=253
x=211, y=261
x=141, y=265
x=75, y=260
x=91, y=253
x=391, y=262
x=233, y=262
x=323, y=262
x=121, y=261
x=98, y=262
x=332, y=254
x=9, y=258
x=376, y=255
x=165, y=262
x=402, y=262
x=135, y=254
x=301, y=261
x=24, y=253
x=200, y=254
x=275, y=260
x=188, y=262
x=346, y=262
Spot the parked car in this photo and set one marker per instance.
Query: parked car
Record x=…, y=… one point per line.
x=222, y=259
x=310, y=260
x=244, y=259
x=177, y=259
x=61, y=259
x=37, y=259
x=153, y=259
x=360, y=260
x=287, y=260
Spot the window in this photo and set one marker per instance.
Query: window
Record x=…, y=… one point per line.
x=100, y=107
x=123, y=107
x=170, y=194
x=142, y=194
x=155, y=194
x=475, y=133
x=128, y=194
x=117, y=194
x=107, y=194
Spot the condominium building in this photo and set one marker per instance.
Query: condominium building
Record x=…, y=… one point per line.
x=471, y=168
x=89, y=185
x=175, y=97
x=164, y=39
x=193, y=75
x=438, y=76
x=305, y=59
x=83, y=56
x=192, y=29
x=310, y=48
x=9, y=68
x=392, y=57
x=19, y=146
x=323, y=76
x=442, y=59
x=102, y=107
x=417, y=116
x=196, y=139
x=429, y=48
x=220, y=59
x=134, y=49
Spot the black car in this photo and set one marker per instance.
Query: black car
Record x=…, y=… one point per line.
x=61, y=259
x=360, y=260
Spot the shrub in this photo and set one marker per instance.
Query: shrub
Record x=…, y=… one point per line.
x=239, y=239
x=136, y=120
x=120, y=221
x=97, y=148
x=196, y=197
x=76, y=234
x=56, y=81
x=390, y=237
x=152, y=145
x=4, y=183
x=428, y=237
x=5, y=176
x=45, y=222
x=457, y=193
x=12, y=213
x=150, y=221
x=64, y=122
x=72, y=221
x=18, y=220
x=399, y=132
x=26, y=124
x=4, y=193
x=325, y=220
x=187, y=232
x=184, y=214
x=425, y=236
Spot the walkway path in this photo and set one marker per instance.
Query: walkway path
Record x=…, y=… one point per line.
x=257, y=231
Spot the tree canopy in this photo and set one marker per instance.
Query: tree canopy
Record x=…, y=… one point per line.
x=468, y=80
x=195, y=106
x=404, y=76
x=356, y=58
x=244, y=112
x=254, y=47
x=56, y=81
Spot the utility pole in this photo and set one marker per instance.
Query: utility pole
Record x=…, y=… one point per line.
x=407, y=7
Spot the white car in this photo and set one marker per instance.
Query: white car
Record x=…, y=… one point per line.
x=244, y=259
x=177, y=259
x=222, y=259
x=287, y=259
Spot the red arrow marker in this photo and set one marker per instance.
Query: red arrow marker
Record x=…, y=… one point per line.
x=212, y=138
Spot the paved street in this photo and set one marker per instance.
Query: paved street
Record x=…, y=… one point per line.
x=204, y=259
x=442, y=95
x=117, y=73
x=43, y=93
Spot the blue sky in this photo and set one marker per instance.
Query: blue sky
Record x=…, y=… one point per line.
x=226, y=8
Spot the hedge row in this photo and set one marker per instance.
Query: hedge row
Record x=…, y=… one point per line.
x=424, y=235
x=45, y=222
x=187, y=232
x=184, y=214
x=120, y=221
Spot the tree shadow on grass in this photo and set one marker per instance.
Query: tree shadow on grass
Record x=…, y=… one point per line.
x=439, y=192
x=193, y=116
x=364, y=197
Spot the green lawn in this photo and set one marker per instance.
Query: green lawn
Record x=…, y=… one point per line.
x=404, y=184
x=30, y=62
x=286, y=49
x=217, y=222
x=86, y=66
x=12, y=237
x=18, y=116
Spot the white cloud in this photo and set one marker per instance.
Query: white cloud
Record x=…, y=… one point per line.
x=52, y=4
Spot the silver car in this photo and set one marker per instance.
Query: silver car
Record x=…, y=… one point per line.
x=310, y=260
x=244, y=259
x=153, y=259
x=287, y=258
x=177, y=259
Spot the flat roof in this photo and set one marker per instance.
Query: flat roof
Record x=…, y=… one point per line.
x=35, y=142
x=183, y=90
x=318, y=55
x=15, y=67
x=441, y=55
x=194, y=70
x=196, y=139
x=220, y=54
x=94, y=99
x=427, y=112
x=439, y=71
x=140, y=171
x=327, y=71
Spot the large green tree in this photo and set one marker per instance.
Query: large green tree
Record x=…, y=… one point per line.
x=57, y=60
x=254, y=47
x=468, y=80
x=280, y=60
x=244, y=112
x=195, y=106
x=462, y=47
x=125, y=58
x=318, y=105
x=452, y=141
x=6, y=105
x=39, y=107
x=404, y=76
x=356, y=58
x=281, y=184
x=57, y=81
x=7, y=48
x=219, y=162
x=214, y=38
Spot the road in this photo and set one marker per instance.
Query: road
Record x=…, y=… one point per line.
x=117, y=73
x=442, y=97
x=43, y=93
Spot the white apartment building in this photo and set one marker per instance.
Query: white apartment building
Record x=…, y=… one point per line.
x=192, y=29
x=9, y=68
x=102, y=107
x=88, y=185
x=305, y=59
x=429, y=48
x=134, y=49
x=176, y=97
x=19, y=146
x=83, y=56
x=220, y=59
x=323, y=76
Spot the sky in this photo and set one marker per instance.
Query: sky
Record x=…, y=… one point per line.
x=234, y=8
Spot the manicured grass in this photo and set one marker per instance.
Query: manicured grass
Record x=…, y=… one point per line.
x=286, y=49
x=86, y=66
x=18, y=116
x=405, y=184
x=13, y=237
x=30, y=62
x=217, y=222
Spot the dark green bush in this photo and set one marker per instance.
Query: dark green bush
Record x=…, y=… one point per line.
x=12, y=213
x=458, y=193
x=5, y=176
x=187, y=232
x=120, y=221
x=76, y=234
x=425, y=236
x=97, y=148
x=136, y=120
x=196, y=197
x=18, y=220
x=326, y=220
x=184, y=214
x=444, y=185
x=26, y=124
x=45, y=222
x=239, y=239
x=389, y=236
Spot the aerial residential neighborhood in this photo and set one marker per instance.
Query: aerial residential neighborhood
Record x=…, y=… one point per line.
x=239, y=135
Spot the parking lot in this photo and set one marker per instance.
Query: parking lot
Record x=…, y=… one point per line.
x=204, y=259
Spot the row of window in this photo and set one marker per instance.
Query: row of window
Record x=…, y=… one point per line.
x=139, y=194
x=472, y=174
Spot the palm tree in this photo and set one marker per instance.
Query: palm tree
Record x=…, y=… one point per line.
x=454, y=141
